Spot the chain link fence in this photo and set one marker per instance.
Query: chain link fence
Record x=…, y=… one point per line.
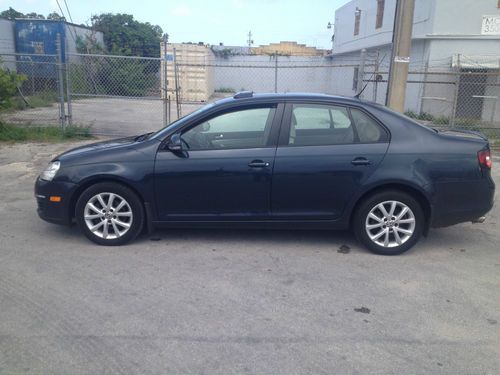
x=115, y=95
x=118, y=95
x=36, y=102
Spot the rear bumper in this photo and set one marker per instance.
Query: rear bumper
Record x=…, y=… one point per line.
x=461, y=202
x=54, y=212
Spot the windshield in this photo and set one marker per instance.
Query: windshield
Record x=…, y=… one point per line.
x=160, y=132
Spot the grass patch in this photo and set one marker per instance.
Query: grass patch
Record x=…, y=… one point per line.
x=13, y=133
x=225, y=90
x=41, y=99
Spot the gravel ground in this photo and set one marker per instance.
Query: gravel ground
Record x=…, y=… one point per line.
x=220, y=301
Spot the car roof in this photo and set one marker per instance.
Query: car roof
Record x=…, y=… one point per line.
x=248, y=97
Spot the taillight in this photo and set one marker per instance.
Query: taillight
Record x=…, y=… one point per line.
x=485, y=160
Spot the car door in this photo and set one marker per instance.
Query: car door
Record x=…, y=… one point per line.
x=325, y=154
x=223, y=171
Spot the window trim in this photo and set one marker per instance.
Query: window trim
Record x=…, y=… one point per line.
x=273, y=134
x=357, y=22
x=379, y=20
x=286, y=124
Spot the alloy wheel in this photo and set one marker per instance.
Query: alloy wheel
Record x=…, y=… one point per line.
x=108, y=215
x=390, y=223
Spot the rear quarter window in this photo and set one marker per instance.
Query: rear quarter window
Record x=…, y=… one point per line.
x=367, y=128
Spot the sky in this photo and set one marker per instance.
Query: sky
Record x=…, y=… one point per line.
x=212, y=22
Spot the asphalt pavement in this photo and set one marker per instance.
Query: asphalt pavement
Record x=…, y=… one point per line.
x=233, y=302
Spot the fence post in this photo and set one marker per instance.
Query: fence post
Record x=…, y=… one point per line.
x=275, y=71
x=375, y=75
x=424, y=87
x=68, y=88
x=169, y=109
x=176, y=75
x=164, y=84
x=455, y=97
x=60, y=84
x=361, y=71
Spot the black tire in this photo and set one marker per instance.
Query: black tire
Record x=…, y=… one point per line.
x=364, y=209
x=136, y=220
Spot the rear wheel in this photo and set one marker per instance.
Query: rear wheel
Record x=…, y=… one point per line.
x=389, y=222
x=109, y=214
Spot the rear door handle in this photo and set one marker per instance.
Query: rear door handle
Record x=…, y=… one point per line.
x=360, y=161
x=258, y=164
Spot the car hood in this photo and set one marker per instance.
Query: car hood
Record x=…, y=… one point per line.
x=98, y=146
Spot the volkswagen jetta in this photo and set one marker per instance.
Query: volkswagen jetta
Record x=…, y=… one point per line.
x=293, y=161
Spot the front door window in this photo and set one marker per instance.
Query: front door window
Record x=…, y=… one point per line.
x=248, y=128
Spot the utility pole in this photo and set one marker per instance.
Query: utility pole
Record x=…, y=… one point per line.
x=400, y=60
x=249, y=42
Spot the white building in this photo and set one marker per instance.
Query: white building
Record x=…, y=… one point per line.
x=448, y=35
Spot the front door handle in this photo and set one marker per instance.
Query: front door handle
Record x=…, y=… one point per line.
x=258, y=164
x=360, y=161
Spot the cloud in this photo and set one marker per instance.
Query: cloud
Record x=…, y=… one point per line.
x=181, y=10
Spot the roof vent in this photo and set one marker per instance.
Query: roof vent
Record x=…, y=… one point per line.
x=243, y=94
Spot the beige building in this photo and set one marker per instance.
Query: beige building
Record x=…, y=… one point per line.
x=289, y=49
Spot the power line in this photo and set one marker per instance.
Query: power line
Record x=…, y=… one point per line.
x=71, y=19
x=69, y=13
x=64, y=16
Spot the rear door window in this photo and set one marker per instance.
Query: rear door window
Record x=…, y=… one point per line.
x=316, y=125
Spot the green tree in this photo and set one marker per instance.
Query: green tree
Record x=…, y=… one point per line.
x=88, y=44
x=123, y=35
x=55, y=16
x=11, y=14
x=9, y=81
x=34, y=15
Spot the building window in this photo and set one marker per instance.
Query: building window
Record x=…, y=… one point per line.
x=355, y=79
x=380, y=13
x=357, y=19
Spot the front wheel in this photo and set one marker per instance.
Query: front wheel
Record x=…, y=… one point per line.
x=109, y=214
x=389, y=222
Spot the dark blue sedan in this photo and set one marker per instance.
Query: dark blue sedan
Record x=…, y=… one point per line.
x=292, y=161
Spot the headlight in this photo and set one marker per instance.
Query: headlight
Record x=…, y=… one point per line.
x=51, y=170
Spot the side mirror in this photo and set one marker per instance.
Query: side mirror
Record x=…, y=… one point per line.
x=175, y=143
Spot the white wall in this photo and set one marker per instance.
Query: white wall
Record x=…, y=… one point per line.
x=7, y=45
x=74, y=31
x=369, y=36
x=257, y=73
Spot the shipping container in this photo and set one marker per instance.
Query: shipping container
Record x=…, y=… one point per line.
x=36, y=46
x=194, y=70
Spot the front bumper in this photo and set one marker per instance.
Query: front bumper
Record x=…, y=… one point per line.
x=55, y=212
